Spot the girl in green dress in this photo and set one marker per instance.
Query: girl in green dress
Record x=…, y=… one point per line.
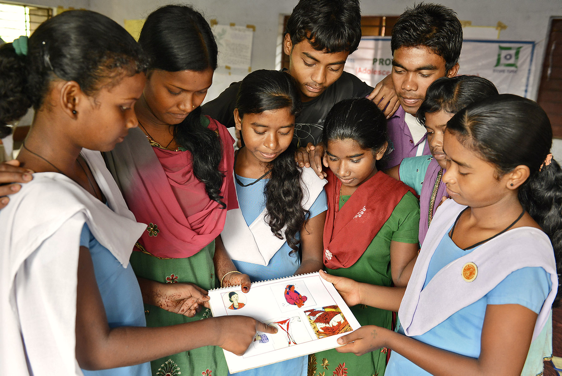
x=371, y=230
x=175, y=172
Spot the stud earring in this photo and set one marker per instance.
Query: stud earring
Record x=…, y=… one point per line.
x=74, y=112
x=511, y=184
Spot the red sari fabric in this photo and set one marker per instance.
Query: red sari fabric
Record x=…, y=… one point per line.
x=349, y=231
x=169, y=196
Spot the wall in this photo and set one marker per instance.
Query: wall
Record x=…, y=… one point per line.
x=525, y=20
x=76, y=4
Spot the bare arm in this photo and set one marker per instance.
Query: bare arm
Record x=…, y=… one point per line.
x=101, y=347
x=506, y=337
x=223, y=267
x=388, y=298
x=312, y=246
x=10, y=174
x=401, y=254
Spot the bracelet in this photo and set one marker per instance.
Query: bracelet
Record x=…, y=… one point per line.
x=233, y=271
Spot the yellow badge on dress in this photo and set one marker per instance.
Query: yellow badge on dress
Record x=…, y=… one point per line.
x=469, y=271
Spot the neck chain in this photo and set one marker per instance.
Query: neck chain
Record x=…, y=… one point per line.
x=153, y=140
x=433, y=196
x=491, y=237
x=59, y=170
x=252, y=183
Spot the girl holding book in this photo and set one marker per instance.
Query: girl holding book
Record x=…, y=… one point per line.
x=371, y=230
x=486, y=277
x=277, y=232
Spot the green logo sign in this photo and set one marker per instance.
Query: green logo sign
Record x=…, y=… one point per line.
x=508, y=57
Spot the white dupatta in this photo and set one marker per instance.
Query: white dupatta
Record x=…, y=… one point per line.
x=39, y=242
x=256, y=244
x=447, y=292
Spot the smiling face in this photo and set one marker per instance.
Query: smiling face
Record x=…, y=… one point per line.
x=314, y=70
x=471, y=180
x=107, y=117
x=351, y=164
x=266, y=135
x=171, y=96
x=414, y=69
x=436, y=123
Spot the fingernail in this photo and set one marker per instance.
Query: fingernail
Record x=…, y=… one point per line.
x=5, y=201
x=26, y=176
x=340, y=341
x=30, y=171
x=15, y=188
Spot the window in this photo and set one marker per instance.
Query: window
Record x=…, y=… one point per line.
x=16, y=20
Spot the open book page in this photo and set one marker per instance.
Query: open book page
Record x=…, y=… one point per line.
x=309, y=313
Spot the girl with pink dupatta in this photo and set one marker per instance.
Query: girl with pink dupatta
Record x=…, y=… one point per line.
x=175, y=172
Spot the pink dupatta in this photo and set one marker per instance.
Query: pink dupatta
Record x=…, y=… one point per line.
x=162, y=191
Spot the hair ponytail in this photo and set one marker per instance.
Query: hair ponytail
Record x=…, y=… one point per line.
x=541, y=196
x=206, y=150
x=283, y=194
x=14, y=100
x=261, y=91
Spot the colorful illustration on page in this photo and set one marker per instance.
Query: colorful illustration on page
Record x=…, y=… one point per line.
x=327, y=321
x=234, y=300
x=292, y=297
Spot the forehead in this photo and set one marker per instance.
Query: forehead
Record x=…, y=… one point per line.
x=413, y=58
x=304, y=47
x=271, y=118
x=186, y=79
x=437, y=119
x=127, y=87
x=345, y=147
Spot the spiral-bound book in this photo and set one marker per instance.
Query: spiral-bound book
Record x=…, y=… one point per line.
x=309, y=313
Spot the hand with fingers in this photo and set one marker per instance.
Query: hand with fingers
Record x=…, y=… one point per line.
x=10, y=175
x=348, y=288
x=181, y=298
x=384, y=96
x=364, y=340
x=312, y=156
x=236, y=333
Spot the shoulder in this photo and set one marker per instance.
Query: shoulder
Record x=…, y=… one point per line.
x=350, y=86
x=226, y=98
x=397, y=118
x=48, y=199
x=408, y=207
x=219, y=128
x=309, y=177
x=415, y=164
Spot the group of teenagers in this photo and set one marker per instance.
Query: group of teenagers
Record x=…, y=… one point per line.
x=430, y=196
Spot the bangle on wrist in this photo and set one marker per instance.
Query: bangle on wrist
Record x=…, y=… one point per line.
x=231, y=272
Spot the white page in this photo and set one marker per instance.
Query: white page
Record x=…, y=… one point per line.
x=306, y=318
